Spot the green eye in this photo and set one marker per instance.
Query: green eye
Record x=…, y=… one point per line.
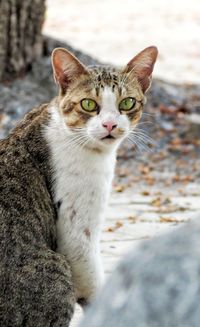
x=88, y=104
x=127, y=104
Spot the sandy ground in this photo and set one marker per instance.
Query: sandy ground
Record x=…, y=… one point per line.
x=114, y=31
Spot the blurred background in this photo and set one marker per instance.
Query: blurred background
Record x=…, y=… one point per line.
x=113, y=31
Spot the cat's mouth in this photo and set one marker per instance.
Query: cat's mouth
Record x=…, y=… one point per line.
x=108, y=139
x=109, y=136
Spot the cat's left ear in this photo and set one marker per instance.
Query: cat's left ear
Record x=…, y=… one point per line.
x=142, y=66
x=66, y=67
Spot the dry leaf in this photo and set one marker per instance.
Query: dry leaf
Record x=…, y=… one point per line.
x=146, y=193
x=156, y=202
x=144, y=170
x=171, y=220
x=176, y=141
x=149, y=180
x=119, y=188
x=168, y=209
x=118, y=225
x=110, y=229
x=197, y=142
x=132, y=219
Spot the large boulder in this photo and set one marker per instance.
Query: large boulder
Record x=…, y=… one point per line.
x=156, y=286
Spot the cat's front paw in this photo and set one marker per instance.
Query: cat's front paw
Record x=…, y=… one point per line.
x=87, y=294
x=83, y=302
x=88, y=279
x=86, y=297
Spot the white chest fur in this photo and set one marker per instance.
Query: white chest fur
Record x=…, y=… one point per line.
x=82, y=184
x=82, y=181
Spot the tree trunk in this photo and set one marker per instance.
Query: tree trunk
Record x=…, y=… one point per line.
x=20, y=35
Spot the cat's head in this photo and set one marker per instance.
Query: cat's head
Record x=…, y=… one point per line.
x=100, y=105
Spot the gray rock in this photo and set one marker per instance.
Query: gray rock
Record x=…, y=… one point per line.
x=156, y=286
x=193, y=130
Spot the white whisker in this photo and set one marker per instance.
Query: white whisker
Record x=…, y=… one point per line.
x=143, y=136
x=147, y=114
x=138, y=147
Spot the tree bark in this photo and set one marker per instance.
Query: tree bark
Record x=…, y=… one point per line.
x=20, y=35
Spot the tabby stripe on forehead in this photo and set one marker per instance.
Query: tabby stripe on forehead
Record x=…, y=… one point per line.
x=97, y=91
x=120, y=91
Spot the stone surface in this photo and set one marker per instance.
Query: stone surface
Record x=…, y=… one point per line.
x=155, y=285
x=193, y=126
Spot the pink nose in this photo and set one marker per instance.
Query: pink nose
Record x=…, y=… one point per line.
x=109, y=125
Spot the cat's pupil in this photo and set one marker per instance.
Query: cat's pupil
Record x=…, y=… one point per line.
x=127, y=104
x=88, y=104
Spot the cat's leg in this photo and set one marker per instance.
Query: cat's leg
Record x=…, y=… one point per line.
x=88, y=276
x=42, y=292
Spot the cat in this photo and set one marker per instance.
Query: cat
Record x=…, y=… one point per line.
x=56, y=171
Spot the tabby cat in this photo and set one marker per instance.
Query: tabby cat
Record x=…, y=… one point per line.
x=56, y=169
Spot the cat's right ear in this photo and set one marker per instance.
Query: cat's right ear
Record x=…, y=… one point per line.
x=142, y=66
x=66, y=67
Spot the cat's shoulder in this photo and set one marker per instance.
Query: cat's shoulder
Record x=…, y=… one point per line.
x=25, y=152
x=31, y=122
